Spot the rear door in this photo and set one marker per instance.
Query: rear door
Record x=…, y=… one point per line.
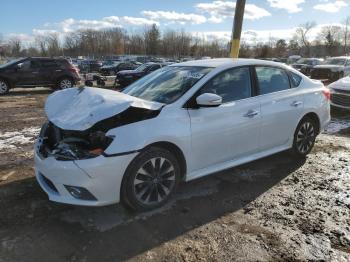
x=281, y=106
x=231, y=130
x=49, y=71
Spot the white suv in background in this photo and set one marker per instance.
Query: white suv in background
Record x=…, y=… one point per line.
x=179, y=123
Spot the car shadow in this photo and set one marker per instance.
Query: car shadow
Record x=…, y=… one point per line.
x=59, y=232
x=29, y=91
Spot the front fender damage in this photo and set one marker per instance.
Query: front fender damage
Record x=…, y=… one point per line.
x=79, y=120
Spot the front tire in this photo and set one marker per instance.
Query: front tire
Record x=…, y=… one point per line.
x=150, y=180
x=304, y=137
x=4, y=87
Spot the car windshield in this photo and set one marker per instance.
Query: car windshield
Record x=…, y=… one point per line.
x=168, y=84
x=112, y=63
x=142, y=68
x=12, y=62
x=336, y=61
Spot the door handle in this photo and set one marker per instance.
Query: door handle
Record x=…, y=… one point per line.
x=35, y=72
x=296, y=103
x=251, y=113
x=58, y=70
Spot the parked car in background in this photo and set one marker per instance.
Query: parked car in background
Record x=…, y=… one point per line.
x=36, y=71
x=125, y=78
x=332, y=69
x=292, y=59
x=111, y=68
x=90, y=66
x=340, y=93
x=179, y=123
x=305, y=65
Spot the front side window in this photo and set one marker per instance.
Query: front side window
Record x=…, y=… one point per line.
x=271, y=80
x=167, y=84
x=233, y=84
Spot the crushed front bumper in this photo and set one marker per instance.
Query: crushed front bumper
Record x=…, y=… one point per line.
x=100, y=176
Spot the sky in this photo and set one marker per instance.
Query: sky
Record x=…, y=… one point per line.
x=211, y=19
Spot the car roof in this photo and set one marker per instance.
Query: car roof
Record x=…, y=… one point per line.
x=224, y=62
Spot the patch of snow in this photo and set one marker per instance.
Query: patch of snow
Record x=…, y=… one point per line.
x=337, y=125
x=11, y=140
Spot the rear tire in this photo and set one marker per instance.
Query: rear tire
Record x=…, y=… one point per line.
x=304, y=137
x=150, y=180
x=65, y=83
x=4, y=87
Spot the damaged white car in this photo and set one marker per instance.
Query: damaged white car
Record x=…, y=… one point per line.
x=179, y=123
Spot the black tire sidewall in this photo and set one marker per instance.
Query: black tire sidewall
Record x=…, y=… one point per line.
x=295, y=149
x=7, y=85
x=63, y=79
x=128, y=197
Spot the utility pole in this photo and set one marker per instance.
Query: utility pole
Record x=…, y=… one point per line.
x=237, y=28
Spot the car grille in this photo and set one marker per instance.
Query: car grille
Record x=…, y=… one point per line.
x=341, y=99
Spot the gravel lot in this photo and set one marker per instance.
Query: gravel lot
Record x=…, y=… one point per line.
x=272, y=209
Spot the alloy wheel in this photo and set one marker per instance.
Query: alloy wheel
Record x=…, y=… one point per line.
x=154, y=181
x=3, y=87
x=305, y=137
x=65, y=83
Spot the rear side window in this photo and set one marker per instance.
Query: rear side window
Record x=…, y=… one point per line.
x=271, y=79
x=233, y=84
x=48, y=63
x=35, y=64
x=296, y=79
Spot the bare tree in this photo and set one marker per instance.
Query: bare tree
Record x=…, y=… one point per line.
x=15, y=46
x=330, y=36
x=346, y=33
x=302, y=34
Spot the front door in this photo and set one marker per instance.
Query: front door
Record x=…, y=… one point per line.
x=29, y=73
x=231, y=130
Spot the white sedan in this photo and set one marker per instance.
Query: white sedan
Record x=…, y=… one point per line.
x=179, y=123
x=340, y=93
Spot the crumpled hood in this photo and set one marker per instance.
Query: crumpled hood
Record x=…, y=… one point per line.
x=341, y=84
x=80, y=108
x=333, y=68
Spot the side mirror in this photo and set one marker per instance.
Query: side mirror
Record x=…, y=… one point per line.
x=19, y=66
x=209, y=100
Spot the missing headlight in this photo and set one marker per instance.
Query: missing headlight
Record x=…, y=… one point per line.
x=72, y=145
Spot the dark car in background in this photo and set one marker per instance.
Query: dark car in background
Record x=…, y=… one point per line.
x=90, y=66
x=111, y=68
x=305, y=65
x=332, y=69
x=125, y=78
x=57, y=73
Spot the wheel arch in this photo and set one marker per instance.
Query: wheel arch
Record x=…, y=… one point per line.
x=314, y=117
x=174, y=149
x=8, y=81
x=60, y=78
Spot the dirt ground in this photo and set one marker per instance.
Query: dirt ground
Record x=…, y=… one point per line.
x=274, y=209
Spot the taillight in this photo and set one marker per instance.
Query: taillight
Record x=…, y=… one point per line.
x=73, y=69
x=327, y=93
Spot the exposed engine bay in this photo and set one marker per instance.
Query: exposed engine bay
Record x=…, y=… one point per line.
x=71, y=145
x=79, y=119
x=74, y=145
